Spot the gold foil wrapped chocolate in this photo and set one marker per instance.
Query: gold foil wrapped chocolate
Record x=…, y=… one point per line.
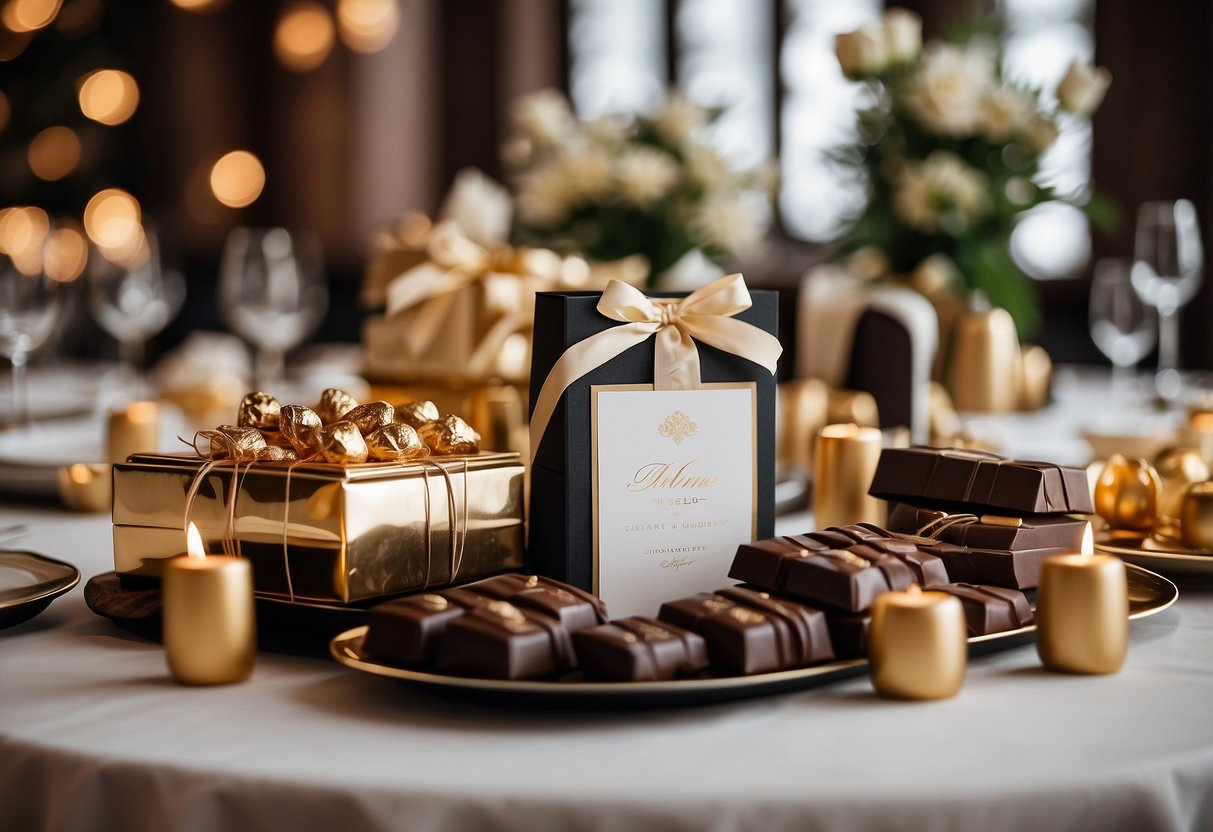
x=449, y=436
x=258, y=410
x=299, y=425
x=416, y=414
x=242, y=444
x=395, y=442
x=370, y=416
x=334, y=404
x=280, y=453
x=1177, y=469
x=1126, y=494
x=341, y=443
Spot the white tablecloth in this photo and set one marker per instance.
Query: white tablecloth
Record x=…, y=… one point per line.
x=94, y=735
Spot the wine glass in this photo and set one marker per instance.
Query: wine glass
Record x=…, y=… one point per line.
x=29, y=306
x=135, y=299
x=1122, y=326
x=1167, y=270
x=272, y=293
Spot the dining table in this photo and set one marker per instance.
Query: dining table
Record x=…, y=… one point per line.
x=96, y=735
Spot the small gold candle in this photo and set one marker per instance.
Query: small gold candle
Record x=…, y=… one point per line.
x=845, y=461
x=1082, y=612
x=86, y=487
x=917, y=645
x=210, y=625
x=1196, y=516
x=133, y=429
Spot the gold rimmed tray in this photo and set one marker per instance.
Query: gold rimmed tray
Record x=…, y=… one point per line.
x=1162, y=554
x=29, y=582
x=1149, y=594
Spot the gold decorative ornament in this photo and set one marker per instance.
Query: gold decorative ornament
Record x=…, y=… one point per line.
x=299, y=425
x=677, y=427
x=259, y=410
x=1126, y=494
x=370, y=416
x=340, y=443
x=334, y=404
x=1177, y=469
x=1196, y=516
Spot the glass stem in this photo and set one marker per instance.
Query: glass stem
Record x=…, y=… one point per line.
x=269, y=367
x=1168, y=340
x=20, y=391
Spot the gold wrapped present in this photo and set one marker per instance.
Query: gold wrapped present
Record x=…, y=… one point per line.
x=325, y=532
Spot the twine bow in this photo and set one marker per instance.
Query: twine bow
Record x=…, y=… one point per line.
x=705, y=315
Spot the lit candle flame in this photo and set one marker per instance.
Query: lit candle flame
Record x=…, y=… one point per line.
x=1088, y=542
x=914, y=590
x=193, y=543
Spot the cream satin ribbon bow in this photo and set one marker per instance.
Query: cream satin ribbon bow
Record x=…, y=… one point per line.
x=704, y=315
x=456, y=261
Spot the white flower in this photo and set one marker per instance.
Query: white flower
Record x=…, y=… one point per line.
x=869, y=263
x=610, y=129
x=678, y=118
x=940, y=193
x=935, y=274
x=1039, y=133
x=862, y=52
x=724, y=220
x=644, y=175
x=704, y=165
x=1006, y=112
x=544, y=116
x=1083, y=88
x=588, y=172
x=543, y=198
x=947, y=92
x=902, y=35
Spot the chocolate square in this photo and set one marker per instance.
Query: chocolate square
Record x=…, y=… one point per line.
x=574, y=608
x=639, y=650
x=764, y=563
x=502, y=641
x=844, y=580
x=990, y=609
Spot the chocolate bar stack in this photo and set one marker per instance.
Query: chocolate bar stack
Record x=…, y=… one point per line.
x=842, y=570
x=992, y=520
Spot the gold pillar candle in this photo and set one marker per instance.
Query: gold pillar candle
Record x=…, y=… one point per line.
x=133, y=429
x=1035, y=377
x=1196, y=516
x=983, y=374
x=210, y=624
x=1082, y=613
x=802, y=412
x=845, y=461
x=86, y=487
x=917, y=645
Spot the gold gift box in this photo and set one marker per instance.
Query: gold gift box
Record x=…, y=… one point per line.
x=340, y=534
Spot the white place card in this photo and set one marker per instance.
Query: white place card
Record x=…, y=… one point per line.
x=675, y=490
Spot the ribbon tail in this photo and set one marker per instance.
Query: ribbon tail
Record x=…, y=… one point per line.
x=578, y=360
x=737, y=337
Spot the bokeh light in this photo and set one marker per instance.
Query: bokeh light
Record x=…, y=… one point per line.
x=304, y=36
x=237, y=179
x=199, y=5
x=367, y=25
x=23, y=228
x=112, y=221
x=66, y=252
x=29, y=15
x=109, y=96
x=54, y=153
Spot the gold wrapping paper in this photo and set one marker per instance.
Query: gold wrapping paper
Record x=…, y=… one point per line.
x=350, y=534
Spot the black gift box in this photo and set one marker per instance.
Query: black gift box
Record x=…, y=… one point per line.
x=561, y=528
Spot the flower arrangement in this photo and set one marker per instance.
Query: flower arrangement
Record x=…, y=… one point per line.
x=951, y=150
x=619, y=186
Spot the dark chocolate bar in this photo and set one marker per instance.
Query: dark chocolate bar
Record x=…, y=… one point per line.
x=404, y=631
x=843, y=580
x=996, y=567
x=990, y=609
x=749, y=631
x=502, y=641
x=574, y=608
x=764, y=563
x=849, y=634
x=639, y=650
x=985, y=531
x=927, y=569
x=962, y=480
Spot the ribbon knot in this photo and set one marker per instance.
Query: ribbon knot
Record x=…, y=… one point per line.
x=705, y=315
